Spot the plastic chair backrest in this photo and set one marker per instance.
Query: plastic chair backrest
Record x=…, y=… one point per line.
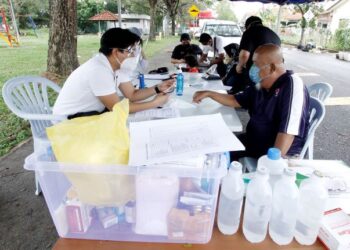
x=320, y=91
x=317, y=113
x=28, y=98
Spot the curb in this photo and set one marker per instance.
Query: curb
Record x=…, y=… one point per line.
x=18, y=146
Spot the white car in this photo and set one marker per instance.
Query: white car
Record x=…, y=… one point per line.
x=228, y=30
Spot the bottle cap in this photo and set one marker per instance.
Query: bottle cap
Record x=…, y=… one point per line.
x=236, y=166
x=289, y=172
x=274, y=154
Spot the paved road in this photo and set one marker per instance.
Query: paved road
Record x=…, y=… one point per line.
x=333, y=136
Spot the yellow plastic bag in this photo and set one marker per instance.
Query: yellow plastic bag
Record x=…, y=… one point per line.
x=96, y=140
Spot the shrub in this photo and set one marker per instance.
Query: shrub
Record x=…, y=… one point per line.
x=342, y=39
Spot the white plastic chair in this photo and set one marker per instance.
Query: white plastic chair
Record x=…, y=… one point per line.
x=28, y=98
x=317, y=113
x=320, y=91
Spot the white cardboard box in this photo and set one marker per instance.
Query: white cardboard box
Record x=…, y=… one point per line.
x=335, y=230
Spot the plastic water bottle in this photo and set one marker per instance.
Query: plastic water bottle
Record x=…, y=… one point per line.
x=258, y=206
x=142, y=81
x=231, y=198
x=312, y=203
x=284, y=206
x=274, y=163
x=179, y=84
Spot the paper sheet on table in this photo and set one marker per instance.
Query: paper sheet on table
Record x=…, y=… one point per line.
x=151, y=114
x=174, y=139
x=180, y=104
x=156, y=76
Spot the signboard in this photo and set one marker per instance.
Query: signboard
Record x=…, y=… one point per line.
x=309, y=15
x=193, y=11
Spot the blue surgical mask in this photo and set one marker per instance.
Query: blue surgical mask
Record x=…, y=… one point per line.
x=254, y=74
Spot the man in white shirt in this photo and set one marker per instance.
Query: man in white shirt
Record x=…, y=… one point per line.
x=214, y=45
x=92, y=88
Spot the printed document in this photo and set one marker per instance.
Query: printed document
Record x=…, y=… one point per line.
x=174, y=139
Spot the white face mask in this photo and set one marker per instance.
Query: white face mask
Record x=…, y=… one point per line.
x=129, y=64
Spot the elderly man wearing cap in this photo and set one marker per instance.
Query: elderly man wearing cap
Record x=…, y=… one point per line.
x=256, y=34
x=184, y=49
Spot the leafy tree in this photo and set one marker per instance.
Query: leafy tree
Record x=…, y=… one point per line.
x=268, y=16
x=223, y=9
x=303, y=8
x=172, y=7
x=38, y=10
x=85, y=10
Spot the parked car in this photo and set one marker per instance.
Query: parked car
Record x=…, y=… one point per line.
x=228, y=30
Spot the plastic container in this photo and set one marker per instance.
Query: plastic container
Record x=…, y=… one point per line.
x=179, y=84
x=160, y=203
x=284, y=204
x=258, y=206
x=142, y=81
x=312, y=203
x=231, y=198
x=274, y=163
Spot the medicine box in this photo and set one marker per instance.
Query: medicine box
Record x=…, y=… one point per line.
x=171, y=202
x=335, y=230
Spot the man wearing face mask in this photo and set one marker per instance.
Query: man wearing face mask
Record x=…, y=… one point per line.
x=278, y=106
x=184, y=49
x=91, y=88
x=214, y=45
x=129, y=71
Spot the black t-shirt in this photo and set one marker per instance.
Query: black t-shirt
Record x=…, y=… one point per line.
x=180, y=51
x=254, y=37
x=284, y=108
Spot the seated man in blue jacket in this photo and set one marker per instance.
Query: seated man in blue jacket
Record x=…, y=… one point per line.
x=278, y=105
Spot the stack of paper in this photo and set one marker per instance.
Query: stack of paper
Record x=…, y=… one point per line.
x=151, y=114
x=174, y=139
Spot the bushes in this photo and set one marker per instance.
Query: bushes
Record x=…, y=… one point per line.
x=342, y=39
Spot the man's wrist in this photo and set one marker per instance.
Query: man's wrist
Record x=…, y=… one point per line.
x=157, y=89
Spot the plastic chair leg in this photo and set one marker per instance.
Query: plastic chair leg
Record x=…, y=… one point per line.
x=37, y=185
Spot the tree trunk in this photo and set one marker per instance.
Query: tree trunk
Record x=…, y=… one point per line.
x=173, y=25
x=172, y=7
x=301, y=42
x=303, y=26
x=152, y=32
x=62, y=53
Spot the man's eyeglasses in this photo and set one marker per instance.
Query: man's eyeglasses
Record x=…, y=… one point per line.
x=130, y=50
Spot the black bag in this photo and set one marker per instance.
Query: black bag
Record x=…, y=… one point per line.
x=161, y=70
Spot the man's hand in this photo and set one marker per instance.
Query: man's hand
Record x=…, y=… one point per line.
x=239, y=69
x=200, y=95
x=160, y=100
x=166, y=85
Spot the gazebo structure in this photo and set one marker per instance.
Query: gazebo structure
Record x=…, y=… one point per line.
x=104, y=16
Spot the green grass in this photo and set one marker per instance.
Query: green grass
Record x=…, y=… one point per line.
x=30, y=59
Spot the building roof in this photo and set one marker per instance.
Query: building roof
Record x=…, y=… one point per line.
x=104, y=16
x=333, y=5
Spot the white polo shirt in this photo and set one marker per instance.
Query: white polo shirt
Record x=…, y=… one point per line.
x=84, y=85
x=219, y=47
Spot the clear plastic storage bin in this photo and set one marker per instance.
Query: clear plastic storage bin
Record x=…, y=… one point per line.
x=161, y=203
